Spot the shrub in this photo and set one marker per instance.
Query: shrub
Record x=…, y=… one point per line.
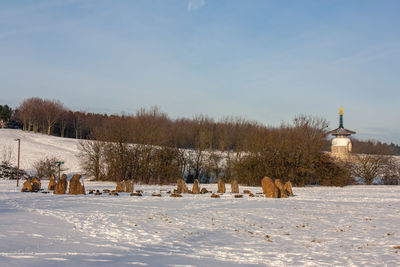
x=46, y=167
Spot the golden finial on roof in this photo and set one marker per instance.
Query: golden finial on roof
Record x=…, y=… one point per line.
x=341, y=111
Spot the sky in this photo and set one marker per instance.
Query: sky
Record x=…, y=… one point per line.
x=261, y=60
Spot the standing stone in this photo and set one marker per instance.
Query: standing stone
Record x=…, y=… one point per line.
x=195, y=189
x=234, y=187
x=27, y=186
x=75, y=186
x=288, y=188
x=128, y=186
x=61, y=185
x=204, y=191
x=182, y=188
x=269, y=188
x=120, y=187
x=279, y=185
x=36, y=185
x=221, y=187
x=52, y=183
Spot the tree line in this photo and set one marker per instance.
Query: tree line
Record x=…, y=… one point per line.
x=150, y=147
x=128, y=147
x=52, y=117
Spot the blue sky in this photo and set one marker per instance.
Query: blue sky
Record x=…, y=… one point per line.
x=262, y=60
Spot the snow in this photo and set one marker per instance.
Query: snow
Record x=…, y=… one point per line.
x=319, y=226
x=350, y=226
x=37, y=146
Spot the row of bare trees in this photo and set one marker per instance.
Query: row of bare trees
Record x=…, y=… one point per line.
x=51, y=117
x=128, y=147
x=149, y=147
x=154, y=127
x=38, y=114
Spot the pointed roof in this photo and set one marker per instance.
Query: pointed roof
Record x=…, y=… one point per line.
x=341, y=130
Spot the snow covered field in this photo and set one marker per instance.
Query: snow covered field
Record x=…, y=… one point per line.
x=320, y=226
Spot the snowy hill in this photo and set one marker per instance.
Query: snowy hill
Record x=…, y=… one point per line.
x=37, y=146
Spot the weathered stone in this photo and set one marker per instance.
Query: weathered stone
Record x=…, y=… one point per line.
x=129, y=186
x=215, y=196
x=238, y=196
x=136, y=194
x=281, y=192
x=234, y=186
x=247, y=192
x=120, y=187
x=75, y=186
x=52, y=183
x=175, y=195
x=251, y=195
x=156, y=195
x=36, y=185
x=288, y=188
x=27, y=186
x=61, y=185
x=106, y=191
x=182, y=188
x=195, y=189
x=269, y=188
x=221, y=187
x=204, y=190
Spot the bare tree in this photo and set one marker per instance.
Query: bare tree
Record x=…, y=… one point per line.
x=52, y=111
x=92, y=158
x=391, y=175
x=77, y=122
x=368, y=167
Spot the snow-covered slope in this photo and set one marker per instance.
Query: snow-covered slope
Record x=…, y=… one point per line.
x=37, y=146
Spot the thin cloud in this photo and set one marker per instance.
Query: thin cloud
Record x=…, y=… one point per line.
x=195, y=4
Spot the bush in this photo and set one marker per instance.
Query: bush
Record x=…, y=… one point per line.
x=10, y=172
x=391, y=180
x=369, y=167
x=46, y=167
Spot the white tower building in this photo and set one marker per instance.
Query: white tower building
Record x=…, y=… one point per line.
x=341, y=144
